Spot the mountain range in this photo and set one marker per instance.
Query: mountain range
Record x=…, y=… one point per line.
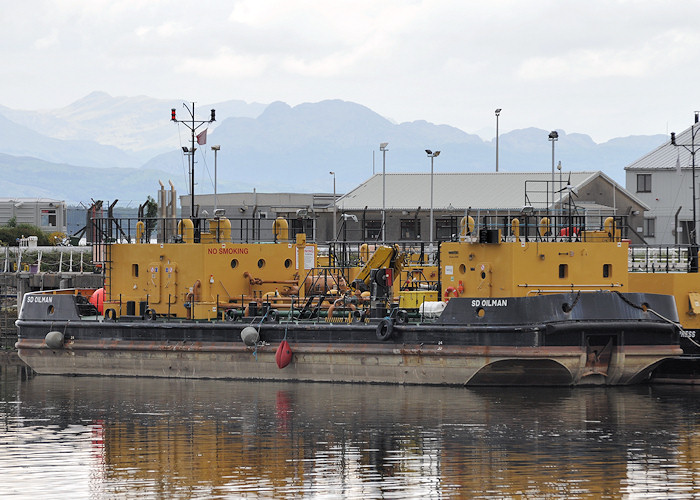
x=104, y=147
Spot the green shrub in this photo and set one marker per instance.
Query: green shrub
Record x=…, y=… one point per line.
x=10, y=235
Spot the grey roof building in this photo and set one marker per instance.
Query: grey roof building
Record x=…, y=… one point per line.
x=408, y=200
x=488, y=197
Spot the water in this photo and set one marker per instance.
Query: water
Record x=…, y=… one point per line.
x=85, y=437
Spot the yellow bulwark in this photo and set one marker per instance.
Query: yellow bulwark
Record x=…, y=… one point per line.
x=520, y=268
x=199, y=280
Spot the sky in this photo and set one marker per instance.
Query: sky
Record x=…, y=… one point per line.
x=603, y=68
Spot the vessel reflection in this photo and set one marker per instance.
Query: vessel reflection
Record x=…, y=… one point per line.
x=179, y=438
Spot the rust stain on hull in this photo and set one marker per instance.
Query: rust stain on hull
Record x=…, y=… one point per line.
x=371, y=363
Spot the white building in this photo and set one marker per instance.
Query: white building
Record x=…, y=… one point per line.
x=663, y=180
x=47, y=214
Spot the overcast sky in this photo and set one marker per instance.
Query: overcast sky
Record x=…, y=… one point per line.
x=604, y=68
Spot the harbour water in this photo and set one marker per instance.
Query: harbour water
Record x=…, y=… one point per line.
x=81, y=437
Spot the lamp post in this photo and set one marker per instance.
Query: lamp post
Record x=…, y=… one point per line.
x=553, y=136
x=560, y=186
x=193, y=125
x=691, y=149
x=432, y=156
x=216, y=148
x=382, y=148
x=334, y=209
x=498, y=113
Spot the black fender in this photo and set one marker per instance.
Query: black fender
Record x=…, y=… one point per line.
x=385, y=329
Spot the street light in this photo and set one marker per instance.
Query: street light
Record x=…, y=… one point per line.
x=553, y=136
x=498, y=113
x=693, y=234
x=334, y=213
x=382, y=148
x=560, y=186
x=432, y=156
x=216, y=149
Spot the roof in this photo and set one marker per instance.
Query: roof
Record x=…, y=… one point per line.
x=459, y=191
x=29, y=200
x=667, y=156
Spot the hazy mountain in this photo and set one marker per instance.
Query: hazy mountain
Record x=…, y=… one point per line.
x=25, y=177
x=289, y=148
x=139, y=125
x=270, y=148
x=18, y=140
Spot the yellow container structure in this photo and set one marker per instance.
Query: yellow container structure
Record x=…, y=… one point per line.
x=414, y=298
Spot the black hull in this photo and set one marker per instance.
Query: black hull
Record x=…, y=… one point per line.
x=542, y=340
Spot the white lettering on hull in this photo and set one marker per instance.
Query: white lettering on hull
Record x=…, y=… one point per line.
x=490, y=303
x=40, y=299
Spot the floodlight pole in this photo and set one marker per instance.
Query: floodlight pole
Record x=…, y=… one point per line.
x=334, y=209
x=383, y=149
x=498, y=113
x=553, y=136
x=216, y=150
x=691, y=149
x=432, y=156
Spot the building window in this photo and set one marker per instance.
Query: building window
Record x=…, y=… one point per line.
x=644, y=183
x=410, y=229
x=446, y=228
x=649, y=227
x=48, y=217
x=373, y=229
x=297, y=226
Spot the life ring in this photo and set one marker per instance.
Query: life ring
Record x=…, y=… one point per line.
x=401, y=317
x=385, y=329
x=111, y=314
x=150, y=314
x=451, y=292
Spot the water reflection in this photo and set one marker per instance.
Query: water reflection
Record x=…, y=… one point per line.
x=177, y=438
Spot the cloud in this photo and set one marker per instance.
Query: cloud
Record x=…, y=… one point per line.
x=582, y=65
x=46, y=42
x=439, y=60
x=225, y=64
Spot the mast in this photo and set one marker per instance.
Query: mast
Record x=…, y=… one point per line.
x=193, y=125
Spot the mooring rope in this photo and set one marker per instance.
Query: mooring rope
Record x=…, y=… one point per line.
x=659, y=315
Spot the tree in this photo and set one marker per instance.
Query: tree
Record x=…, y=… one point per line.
x=151, y=212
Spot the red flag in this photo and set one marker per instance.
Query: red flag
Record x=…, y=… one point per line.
x=202, y=137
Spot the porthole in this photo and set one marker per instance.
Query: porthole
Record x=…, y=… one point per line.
x=50, y=310
x=234, y=263
x=462, y=269
x=480, y=312
x=261, y=263
x=288, y=263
